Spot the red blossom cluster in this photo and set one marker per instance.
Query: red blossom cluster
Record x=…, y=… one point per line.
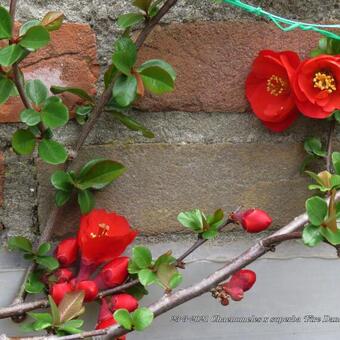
x=234, y=289
x=102, y=238
x=280, y=85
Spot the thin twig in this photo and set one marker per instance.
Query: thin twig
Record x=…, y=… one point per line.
x=97, y=111
x=330, y=136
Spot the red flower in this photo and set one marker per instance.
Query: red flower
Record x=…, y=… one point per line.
x=114, y=273
x=317, y=86
x=124, y=301
x=58, y=291
x=63, y=275
x=244, y=278
x=268, y=88
x=253, y=220
x=239, y=283
x=103, y=236
x=90, y=289
x=66, y=252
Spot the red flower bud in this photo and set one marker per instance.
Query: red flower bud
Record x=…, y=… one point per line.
x=125, y=301
x=253, y=220
x=244, y=278
x=63, y=275
x=66, y=252
x=235, y=292
x=58, y=291
x=114, y=273
x=90, y=289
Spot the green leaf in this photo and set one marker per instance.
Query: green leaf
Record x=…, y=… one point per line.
x=41, y=325
x=125, y=90
x=62, y=197
x=5, y=24
x=164, y=259
x=20, y=243
x=55, y=115
x=99, y=173
x=10, y=54
x=6, y=87
x=133, y=268
x=138, y=291
x=52, y=21
x=48, y=262
x=30, y=117
x=306, y=161
x=313, y=146
x=142, y=257
x=330, y=236
x=36, y=91
x=73, y=90
x=192, y=219
x=142, y=318
x=71, y=326
x=210, y=234
x=36, y=37
x=147, y=277
x=336, y=162
x=71, y=306
x=311, y=235
x=130, y=19
x=23, y=142
x=125, y=55
x=158, y=76
x=176, y=280
x=86, y=201
x=46, y=317
x=52, y=152
x=27, y=25
x=62, y=180
x=109, y=75
x=168, y=275
x=33, y=284
x=337, y=115
x=132, y=124
x=142, y=4
x=216, y=219
x=123, y=318
x=317, y=210
x=44, y=248
x=54, y=311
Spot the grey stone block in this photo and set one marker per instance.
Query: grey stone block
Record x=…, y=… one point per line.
x=163, y=180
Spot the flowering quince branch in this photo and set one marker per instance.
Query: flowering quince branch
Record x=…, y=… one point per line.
x=96, y=112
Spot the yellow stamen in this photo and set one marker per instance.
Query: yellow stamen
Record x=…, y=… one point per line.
x=324, y=81
x=104, y=228
x=276, y=85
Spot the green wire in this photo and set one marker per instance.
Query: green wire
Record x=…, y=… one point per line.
x=291, y=24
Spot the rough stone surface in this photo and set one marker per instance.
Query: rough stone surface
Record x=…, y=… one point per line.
x=163, y=180
x=2, y=178
x=70, y=60
x=18, y=211
x=212, y=61
x=102, y=14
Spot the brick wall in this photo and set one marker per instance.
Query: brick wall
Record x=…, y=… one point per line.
x=209, y=149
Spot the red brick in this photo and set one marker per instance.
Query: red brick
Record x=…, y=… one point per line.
x=2, y=177
x=70, y=60
x=212, y=61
